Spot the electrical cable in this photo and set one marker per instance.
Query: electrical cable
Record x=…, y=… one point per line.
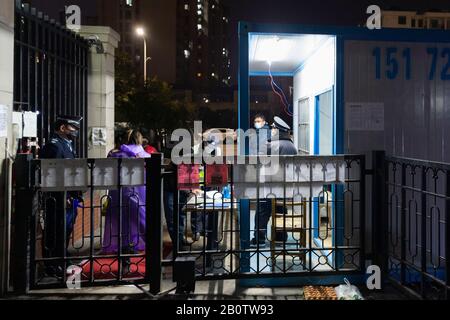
x=282, y=96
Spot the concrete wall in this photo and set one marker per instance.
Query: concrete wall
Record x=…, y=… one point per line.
x=6, y=98
x=101, y=89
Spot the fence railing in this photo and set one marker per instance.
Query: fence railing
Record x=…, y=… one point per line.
x=104, y=218
x=418, y=200
x=306, y=215
x=87, y=222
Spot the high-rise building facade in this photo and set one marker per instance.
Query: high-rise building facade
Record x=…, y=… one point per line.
x=415, y=20
x=203, y=49
x=188, y=41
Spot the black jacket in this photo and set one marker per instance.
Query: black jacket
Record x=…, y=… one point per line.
x=283, y=146
x=58, y=148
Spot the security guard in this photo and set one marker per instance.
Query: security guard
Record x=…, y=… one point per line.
x=280, y=145
x=61, y=143
x=61, y=208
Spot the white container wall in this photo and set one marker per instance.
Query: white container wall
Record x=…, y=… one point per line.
x=316, y=76
x=411, y=83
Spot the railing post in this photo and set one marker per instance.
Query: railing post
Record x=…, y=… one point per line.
x=423, y=230
x=153, y=226
x=403, y=212
x=363, y=212
x=21, y=245
x=380, y=214
x=447, y=234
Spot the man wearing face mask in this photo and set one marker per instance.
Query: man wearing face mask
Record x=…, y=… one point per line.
x=60, y=146
x=61, y=143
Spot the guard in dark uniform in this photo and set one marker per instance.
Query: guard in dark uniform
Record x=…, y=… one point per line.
x=60, y=207
x=61, y=143
x=280, y=145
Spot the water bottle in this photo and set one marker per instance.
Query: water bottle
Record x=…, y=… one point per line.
x=226, y=192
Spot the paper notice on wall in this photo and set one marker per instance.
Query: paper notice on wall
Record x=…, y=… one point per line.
x=99, y=136
x=365, y=116
x=30, y=125
x=17, y=122
x=3, y=121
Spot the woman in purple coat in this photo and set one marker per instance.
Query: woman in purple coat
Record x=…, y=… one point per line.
x=133, y=205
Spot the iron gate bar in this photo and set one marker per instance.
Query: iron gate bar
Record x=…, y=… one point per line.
x=51, y=71
x=154, y=223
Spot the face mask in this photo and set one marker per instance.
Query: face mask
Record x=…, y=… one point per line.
x=72, y=135
x=259, y=125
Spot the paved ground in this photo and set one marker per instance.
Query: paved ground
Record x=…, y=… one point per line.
x=208, y=290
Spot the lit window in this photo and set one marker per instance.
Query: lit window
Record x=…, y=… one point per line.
x=199, y=27
x=199, y=75
x=129, y=3
x=187, y=54
x=186, y=7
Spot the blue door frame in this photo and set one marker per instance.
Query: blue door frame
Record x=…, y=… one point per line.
x=342, y=34
x=334, y=191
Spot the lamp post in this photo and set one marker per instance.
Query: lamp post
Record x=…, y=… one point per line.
x=141, y=33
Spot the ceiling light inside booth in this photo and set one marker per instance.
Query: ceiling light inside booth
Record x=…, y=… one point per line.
x=272, y=49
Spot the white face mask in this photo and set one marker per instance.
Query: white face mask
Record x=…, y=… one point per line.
x=259, y=125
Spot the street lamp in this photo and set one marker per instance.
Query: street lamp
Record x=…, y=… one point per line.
x=141, y=33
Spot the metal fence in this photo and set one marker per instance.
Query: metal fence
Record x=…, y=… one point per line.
x=418, y=200
x=304, y=217
x=51, y=71
x=87, y=222
x=307, y=217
